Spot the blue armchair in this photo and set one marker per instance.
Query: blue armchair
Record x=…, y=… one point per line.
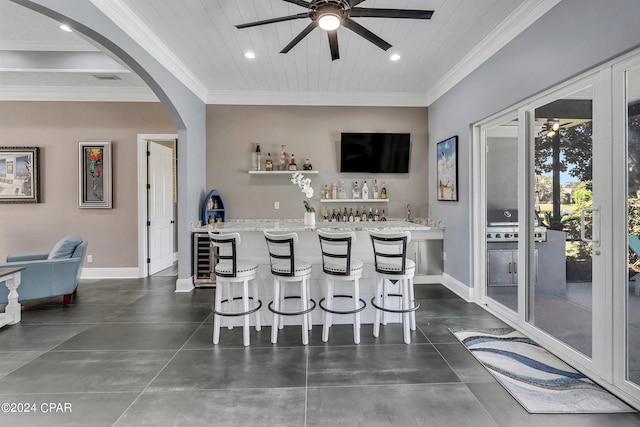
x=49, y=274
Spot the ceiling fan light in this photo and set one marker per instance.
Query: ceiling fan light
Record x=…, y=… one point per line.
x=329, y=21
x=394, y=57
x=249, y=55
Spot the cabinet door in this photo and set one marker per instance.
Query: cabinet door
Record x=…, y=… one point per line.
x=501, y=267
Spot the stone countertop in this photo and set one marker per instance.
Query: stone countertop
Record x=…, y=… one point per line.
x=290, y=225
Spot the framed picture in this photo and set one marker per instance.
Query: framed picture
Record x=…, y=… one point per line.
x=94, y=174
x=19, y=175
x=448, y=169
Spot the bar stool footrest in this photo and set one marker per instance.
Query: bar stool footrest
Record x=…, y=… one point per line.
x=415, y=306
x=358, y=310
x=293, y=313
x=236, y=314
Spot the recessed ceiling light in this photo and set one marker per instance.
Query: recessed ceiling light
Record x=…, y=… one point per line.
x=65, y=27
x=394, y=57
x=249, y=55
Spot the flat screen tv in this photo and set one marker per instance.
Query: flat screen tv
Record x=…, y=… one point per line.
x=375, y=152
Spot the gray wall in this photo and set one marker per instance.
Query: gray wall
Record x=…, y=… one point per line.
x=314, y=133
x=185, y=108
x=585, y=33
x=56, y=127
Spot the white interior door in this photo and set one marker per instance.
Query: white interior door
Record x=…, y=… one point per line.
x=161, y=222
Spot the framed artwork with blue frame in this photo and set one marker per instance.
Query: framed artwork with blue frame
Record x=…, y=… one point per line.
x=447, y=172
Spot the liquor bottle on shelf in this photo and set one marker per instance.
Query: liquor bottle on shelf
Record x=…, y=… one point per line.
x=376, y=193
x=325, y=214
x=333, y=216
x=370, y=217
x=334, y=191
x=351, y=218
x=325, y=192
x=364, y=214
x=357, y=217
x=365, y=191
x=383, y=191
x=356, y=190
x=376, y=216
x=345, y=216
x=268, y=165
x=282, y=160
x=292, y=165
x=342, y=193
x=256, y=159
x=383, y=218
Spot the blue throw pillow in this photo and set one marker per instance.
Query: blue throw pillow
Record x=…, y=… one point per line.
x=65, y=247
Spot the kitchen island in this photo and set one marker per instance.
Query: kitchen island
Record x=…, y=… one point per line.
x=425, y=249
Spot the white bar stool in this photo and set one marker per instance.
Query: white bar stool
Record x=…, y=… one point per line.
x=228, y=270
x=286, y=268
x=392, y=265
x=338, y=265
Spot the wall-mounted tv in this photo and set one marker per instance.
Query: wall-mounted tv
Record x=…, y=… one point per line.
x=375, y=152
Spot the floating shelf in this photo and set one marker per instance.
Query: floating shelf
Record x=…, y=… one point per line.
x=354, y=201
x=311, y=172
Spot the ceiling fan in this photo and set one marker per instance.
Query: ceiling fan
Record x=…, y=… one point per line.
x=331, y=14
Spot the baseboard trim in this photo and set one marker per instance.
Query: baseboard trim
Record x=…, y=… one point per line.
x=185, y=285
x=463, y=291
x=110, y=273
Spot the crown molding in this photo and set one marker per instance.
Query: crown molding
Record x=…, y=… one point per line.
x=521, y=18
x=128, y=21
x=64, y=93
x=47, y=46
x=388, y=99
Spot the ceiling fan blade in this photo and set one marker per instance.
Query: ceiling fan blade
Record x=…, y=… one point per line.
x=362, y=31
x=299, y=37
x=299, y=2
x=271, y=21
x=365, y=12
x=333, y=44
x=353, y=3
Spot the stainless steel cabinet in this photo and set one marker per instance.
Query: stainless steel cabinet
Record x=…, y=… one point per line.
x=427, y=254
x=502, y=267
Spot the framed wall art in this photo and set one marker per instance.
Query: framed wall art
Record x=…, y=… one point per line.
x=19, y=174
x=94, y=174
x=447, y=179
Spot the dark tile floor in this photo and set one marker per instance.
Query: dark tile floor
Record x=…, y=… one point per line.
x=135, y=353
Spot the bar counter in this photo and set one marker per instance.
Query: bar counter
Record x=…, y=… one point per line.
x=425, y=250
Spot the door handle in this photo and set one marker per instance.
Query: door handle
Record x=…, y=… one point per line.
x=595, y=229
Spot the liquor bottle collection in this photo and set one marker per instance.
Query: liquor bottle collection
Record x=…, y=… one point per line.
x=344, y=216
x=357, y=192
x=284, y=161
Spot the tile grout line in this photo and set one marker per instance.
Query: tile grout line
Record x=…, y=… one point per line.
x=160, y=371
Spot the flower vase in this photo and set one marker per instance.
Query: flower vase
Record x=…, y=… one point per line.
x=309, y=219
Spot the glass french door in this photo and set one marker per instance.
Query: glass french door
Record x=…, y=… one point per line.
x=567, y=216
x=629, y=279
x=545, y=186
x=558, y=221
